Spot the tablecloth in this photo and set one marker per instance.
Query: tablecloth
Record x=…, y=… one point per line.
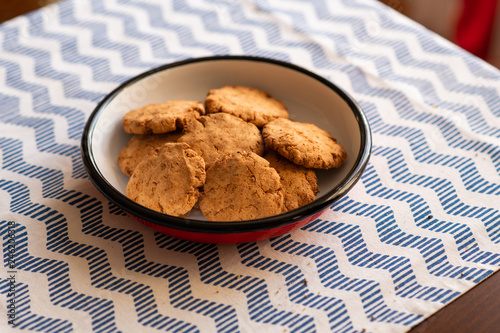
x=419, y=229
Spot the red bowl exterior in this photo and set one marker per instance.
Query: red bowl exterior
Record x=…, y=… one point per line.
x=229, y=238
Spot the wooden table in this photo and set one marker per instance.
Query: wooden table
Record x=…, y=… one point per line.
x=475, y=311
x=12, y=8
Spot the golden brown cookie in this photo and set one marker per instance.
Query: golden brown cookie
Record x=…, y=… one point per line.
x=215, y=135
x=168, y=179
x=139, y=146
x=241, y=186
x=249, y=104
x=304, y=144
x=300, y=184
x=161, y=118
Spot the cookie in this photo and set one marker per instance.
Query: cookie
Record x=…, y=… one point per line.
x=241, y=186
x=215, y=135
x=168, y=180
x=249, y=104
x=139, y=146
x=304, y=144
x=300, y=185
x=161, y=118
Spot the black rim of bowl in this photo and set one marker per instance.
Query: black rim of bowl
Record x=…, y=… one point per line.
x=212, y=227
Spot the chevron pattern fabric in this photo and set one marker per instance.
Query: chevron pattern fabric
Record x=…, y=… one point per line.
x=420, y=228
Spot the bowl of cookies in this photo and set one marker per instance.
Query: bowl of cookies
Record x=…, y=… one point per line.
x=226, y=149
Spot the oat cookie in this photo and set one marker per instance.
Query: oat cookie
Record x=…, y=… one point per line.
x=162, y=118
x=241, y=186
x=139, y=146
x=252, y=105
x=215, y=135
x=168, y=180
x=304, y=144
x=300, y=184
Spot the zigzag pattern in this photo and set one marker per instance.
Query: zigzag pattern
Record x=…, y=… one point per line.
x=211, y=272
x=370, y=296
x=100, y=269
x=61, y=293
x=420, y=147
x=319, y=12
x=428, y=44
x=297, y=287
x=404, y=280
x=25, y=316
x=403, y=54
x=178, y=278
x=430, y=106
x=28, y=319
x=448, y=197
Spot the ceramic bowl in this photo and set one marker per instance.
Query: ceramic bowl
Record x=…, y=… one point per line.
x=308, y=97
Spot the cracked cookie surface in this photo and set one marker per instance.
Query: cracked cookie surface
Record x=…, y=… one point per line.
x=250, y=104
x=241, y=186
x=139, y=146
x=162, y=118
x=300, y=184
x=215, y=135
x=168, y=180
x=304, y=144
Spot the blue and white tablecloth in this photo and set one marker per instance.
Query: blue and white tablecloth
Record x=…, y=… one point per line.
x=420, y=228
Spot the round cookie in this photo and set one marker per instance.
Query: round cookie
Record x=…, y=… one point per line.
x=252, y=105
x=168, y=179
x=139, y=146
x=300, y=184
x=241, y=186
x=161, y=118
x=304, y=144
x=218, y=134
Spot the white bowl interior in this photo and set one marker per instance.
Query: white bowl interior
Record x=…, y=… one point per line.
x=307, y=99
